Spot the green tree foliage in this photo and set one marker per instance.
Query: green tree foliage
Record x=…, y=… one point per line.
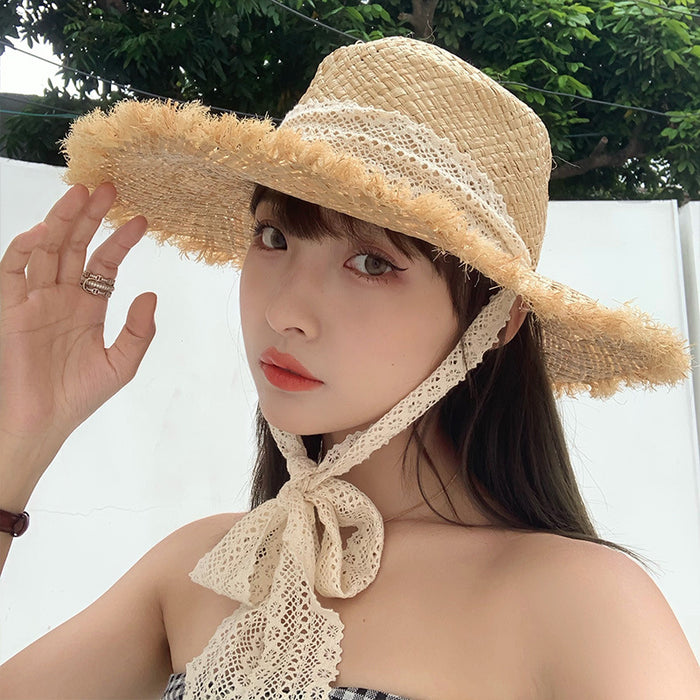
x=631, y=52
x=254, y=56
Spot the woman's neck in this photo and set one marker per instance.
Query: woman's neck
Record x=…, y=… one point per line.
x=394, y=489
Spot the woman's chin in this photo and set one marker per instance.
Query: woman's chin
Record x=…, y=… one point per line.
x=292, y=422
x=308, y=425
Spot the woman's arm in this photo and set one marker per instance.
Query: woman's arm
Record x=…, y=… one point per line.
x=54, y=373
x=116, y=648
x=120, y=646
x=54, y=368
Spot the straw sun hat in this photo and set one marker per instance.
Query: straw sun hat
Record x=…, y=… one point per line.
x=396, y=132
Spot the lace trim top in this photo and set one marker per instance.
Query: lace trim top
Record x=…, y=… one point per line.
x=176, y=691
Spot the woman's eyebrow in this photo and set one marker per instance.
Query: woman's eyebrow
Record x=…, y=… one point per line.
x=379, y=237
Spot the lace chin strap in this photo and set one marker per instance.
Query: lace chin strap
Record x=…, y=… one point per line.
x=280, y=642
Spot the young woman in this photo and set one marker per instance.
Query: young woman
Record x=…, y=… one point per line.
x=416, y=529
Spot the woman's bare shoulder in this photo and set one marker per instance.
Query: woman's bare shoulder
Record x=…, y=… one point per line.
x=205, y=532
x=184, y=547
x=597, y=621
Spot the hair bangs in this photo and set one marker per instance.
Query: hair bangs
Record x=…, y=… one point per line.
x=312, y=222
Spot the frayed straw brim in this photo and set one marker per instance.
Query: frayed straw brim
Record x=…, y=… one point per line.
x=192, y=174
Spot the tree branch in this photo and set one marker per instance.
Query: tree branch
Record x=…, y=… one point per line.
x=117, y=5
x=600, y=158
x=421, y=18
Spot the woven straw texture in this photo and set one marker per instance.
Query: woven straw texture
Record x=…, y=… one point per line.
x=280, y=642
x=396, y=132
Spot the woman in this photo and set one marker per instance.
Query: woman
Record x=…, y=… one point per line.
x=369, y=344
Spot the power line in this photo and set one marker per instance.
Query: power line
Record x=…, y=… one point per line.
x=314, y=21
x=34, y=103
x=126, y=88
x=676, y=8
x=586, y=99
x=45, y=116
x=256, y=116
x=80, y=72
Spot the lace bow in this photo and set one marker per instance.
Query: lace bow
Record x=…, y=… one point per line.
x=280, y=642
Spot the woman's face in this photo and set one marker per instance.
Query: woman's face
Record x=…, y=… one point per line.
x=365, y=321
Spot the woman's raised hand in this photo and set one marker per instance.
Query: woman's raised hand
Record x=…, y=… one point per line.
x=54, y=368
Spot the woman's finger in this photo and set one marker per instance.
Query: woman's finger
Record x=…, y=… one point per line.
x=13, y=281
x=62, y=215
x=131, y=344
x=42, y=266
x=85, y=224
x=106, y=258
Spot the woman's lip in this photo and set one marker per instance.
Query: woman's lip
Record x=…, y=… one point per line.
x=286, y=380
x=272, y=356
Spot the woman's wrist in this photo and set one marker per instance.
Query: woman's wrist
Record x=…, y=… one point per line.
x=15, y=493
x=21, y=466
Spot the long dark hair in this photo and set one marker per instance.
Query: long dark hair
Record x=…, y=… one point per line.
x=502, y=420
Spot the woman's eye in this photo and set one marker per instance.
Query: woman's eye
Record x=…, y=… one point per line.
x=271, y=237
x=371, y=265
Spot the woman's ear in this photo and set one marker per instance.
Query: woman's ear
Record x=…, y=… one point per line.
x=518, y=313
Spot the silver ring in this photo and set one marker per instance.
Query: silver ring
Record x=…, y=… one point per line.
x=97, y=284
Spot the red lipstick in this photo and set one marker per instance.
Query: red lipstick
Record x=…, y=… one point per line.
x=285, y=372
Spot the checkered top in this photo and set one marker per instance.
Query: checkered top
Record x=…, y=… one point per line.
x=176, y=690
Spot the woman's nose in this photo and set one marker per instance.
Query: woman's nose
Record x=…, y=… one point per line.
x=293, y=306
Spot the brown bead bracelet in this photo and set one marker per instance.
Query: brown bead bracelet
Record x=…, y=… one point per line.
x=14, y=524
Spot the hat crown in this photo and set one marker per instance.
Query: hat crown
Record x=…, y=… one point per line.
x=432, y=87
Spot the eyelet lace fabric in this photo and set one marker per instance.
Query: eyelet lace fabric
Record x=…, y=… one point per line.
x=281, y=643
x=402, y=149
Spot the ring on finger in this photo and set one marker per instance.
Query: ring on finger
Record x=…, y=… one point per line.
x=97, y=284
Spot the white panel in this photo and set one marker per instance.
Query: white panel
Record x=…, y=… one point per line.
x=176, y=444
x=689, y=220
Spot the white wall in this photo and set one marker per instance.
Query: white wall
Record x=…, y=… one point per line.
x=176, y=444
